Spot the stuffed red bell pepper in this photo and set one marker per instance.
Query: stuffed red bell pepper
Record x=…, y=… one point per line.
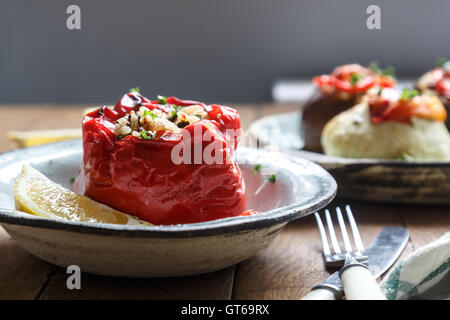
x=166, y=161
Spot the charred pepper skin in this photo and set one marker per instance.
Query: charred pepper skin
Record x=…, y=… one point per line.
x=139, y=176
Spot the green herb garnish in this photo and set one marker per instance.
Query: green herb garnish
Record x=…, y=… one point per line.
x=134, y=89
x=388, y=71
x=354, y=78
x=174, y=111
x=149, y=113
x=380, y=91
x=440, y=62
x=72, y=180
x=408, y=94
x=272, y=178
x=144, y=135
x=148, y=135
x=162, y=100
x=373, y=65
x=257, y=169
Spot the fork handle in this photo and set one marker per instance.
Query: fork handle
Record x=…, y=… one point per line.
x=359, y=283
x=323, y=293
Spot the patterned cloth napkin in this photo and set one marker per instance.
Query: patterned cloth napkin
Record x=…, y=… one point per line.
x=425, y=274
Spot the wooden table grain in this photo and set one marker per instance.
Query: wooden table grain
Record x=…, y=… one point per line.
x=287, y=269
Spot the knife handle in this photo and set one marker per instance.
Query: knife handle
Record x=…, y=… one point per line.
x=359, y=283
x=323, y=293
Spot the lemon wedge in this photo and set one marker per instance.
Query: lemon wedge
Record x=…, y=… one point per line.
x=31, y=138
x=34, y=193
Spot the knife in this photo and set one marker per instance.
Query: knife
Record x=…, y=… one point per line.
x=382, y=253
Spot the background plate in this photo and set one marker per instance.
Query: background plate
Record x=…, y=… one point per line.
x=394, y=181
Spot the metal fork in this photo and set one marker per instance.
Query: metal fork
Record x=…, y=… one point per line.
x=337, y=258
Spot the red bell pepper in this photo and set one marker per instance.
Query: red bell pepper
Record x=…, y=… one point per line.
x=140, y=177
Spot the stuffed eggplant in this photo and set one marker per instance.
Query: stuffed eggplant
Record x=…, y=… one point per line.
x=337, y=92
x=387, y=124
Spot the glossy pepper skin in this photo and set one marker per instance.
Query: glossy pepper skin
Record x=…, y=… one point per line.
x=139, y=176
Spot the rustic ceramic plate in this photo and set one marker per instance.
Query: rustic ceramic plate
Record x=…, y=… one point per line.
x=393, y=181
x=301, y=188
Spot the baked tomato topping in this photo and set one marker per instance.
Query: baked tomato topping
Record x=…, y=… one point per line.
x=401, y=108
x=354, y=78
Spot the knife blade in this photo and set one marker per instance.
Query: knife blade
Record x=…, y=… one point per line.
x=382, y=253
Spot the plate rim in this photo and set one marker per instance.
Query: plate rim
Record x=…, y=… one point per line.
x=208, y=228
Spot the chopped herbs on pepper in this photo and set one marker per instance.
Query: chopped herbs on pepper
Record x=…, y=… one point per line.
x=149, y=113
x=388, y=71
x=174, y=111
x=272, y=178
x=354, y=78
x=162, y=100
x=257, y=169
x=408, y=94
x=134, y=89
x=148, y=135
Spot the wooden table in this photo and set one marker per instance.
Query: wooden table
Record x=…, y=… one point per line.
x=287, y=269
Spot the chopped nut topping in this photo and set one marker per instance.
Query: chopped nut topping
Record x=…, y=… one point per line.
x=156, y=120
x=134, y=120
x=194, y=110
x=123, y=131
x=183, y=117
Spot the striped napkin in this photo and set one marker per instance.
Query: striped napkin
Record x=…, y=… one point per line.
x=425, y=274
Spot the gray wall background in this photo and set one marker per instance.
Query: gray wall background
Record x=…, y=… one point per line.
x=212, y=50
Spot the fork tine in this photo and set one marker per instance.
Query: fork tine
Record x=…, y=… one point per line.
x=358, y=242
x=334, y=241
x=323, y=236
x=347, y=244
